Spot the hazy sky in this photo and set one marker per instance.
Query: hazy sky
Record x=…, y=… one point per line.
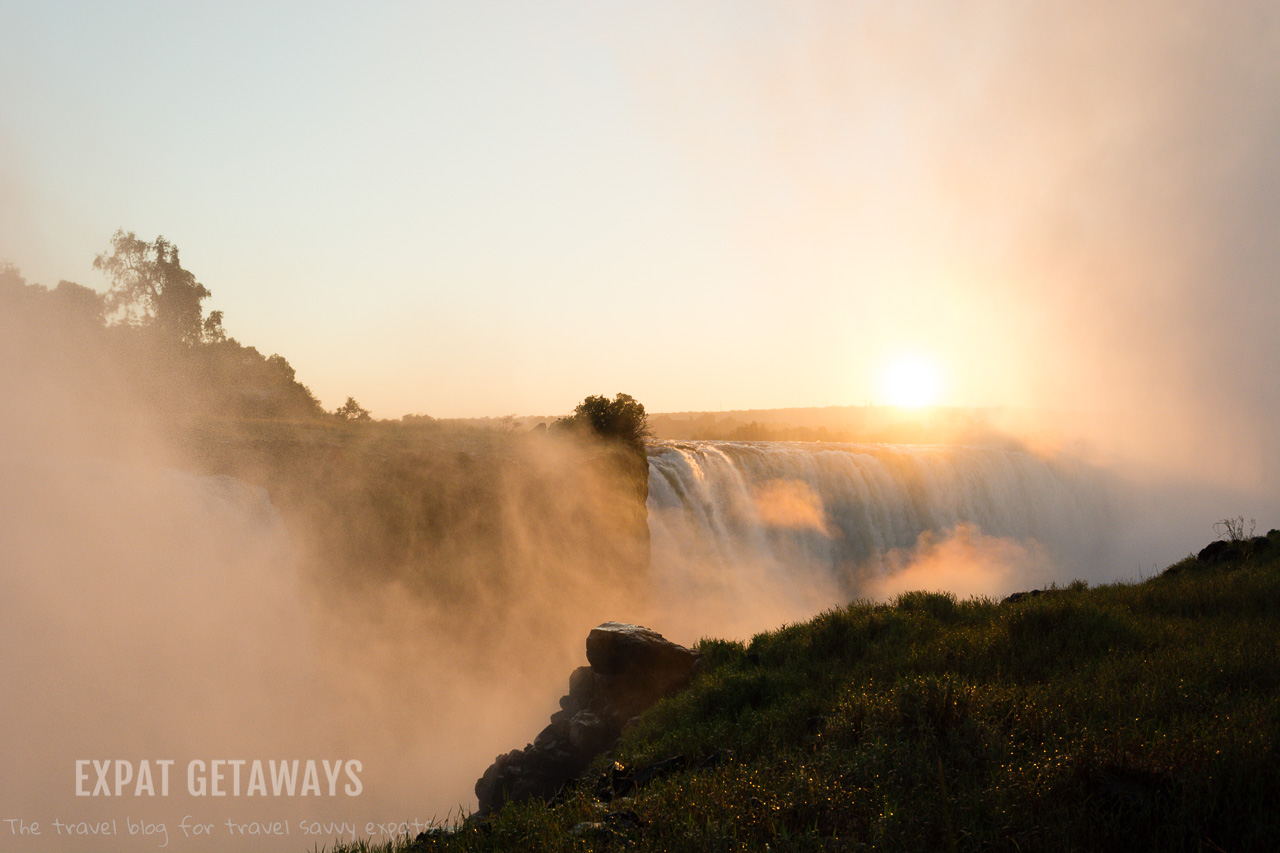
x=482, y=208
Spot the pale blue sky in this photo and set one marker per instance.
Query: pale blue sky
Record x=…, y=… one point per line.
x=430, y=206
x=479, y=208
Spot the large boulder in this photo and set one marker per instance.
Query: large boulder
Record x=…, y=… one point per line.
x=630, y=668
x=634, y=667
x=617, y=648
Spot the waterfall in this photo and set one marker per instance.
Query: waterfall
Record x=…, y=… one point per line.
x=770, y=514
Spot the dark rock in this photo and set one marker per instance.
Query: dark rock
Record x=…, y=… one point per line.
x=616, y=648
x=589, y=734
x=630, y=669
x=633, y=668
x=548, y=737
x=619, y=781
x=1231, y=550
x=1218, y=552
x=493, y=786
x=582, y=685
x=614, y=782
x=1019, y=596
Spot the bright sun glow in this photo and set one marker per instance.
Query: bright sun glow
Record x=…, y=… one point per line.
x=910, y=381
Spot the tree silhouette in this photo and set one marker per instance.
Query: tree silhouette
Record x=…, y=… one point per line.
x=212, y=330
x=150, y=287
x=623, y=418
x=352, y=411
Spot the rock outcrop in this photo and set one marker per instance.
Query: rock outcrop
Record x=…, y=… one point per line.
x=1226, y=550
x=630, y=668
x=1020, y=596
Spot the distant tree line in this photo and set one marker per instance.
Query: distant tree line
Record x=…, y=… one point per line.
x=152, y=324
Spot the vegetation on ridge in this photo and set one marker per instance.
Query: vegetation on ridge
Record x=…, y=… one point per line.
x=462, y=517
x=621, y=419
x=1138, y=716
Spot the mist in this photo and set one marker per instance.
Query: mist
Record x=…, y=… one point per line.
x=1073, y=206
x=156, y=611
x=190, y=587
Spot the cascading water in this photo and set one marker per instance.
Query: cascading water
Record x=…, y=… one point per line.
x=752, y=518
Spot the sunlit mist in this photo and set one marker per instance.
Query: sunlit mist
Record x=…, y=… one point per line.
x=969, y=296
x=911, y=381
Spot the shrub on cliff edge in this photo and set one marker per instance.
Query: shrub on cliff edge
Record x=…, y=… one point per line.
x=621, y=419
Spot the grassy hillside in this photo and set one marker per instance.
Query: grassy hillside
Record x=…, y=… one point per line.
x=1133, y=716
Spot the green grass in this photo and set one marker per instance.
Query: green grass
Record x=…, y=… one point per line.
x=1125, y=717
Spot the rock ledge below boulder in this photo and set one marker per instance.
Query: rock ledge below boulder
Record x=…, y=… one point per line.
x=630, y=668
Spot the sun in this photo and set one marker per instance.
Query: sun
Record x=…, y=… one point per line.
x=911, y=381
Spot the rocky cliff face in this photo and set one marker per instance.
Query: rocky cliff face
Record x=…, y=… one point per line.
x=629, y=669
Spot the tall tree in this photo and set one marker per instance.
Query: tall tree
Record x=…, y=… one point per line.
x=150, y=287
